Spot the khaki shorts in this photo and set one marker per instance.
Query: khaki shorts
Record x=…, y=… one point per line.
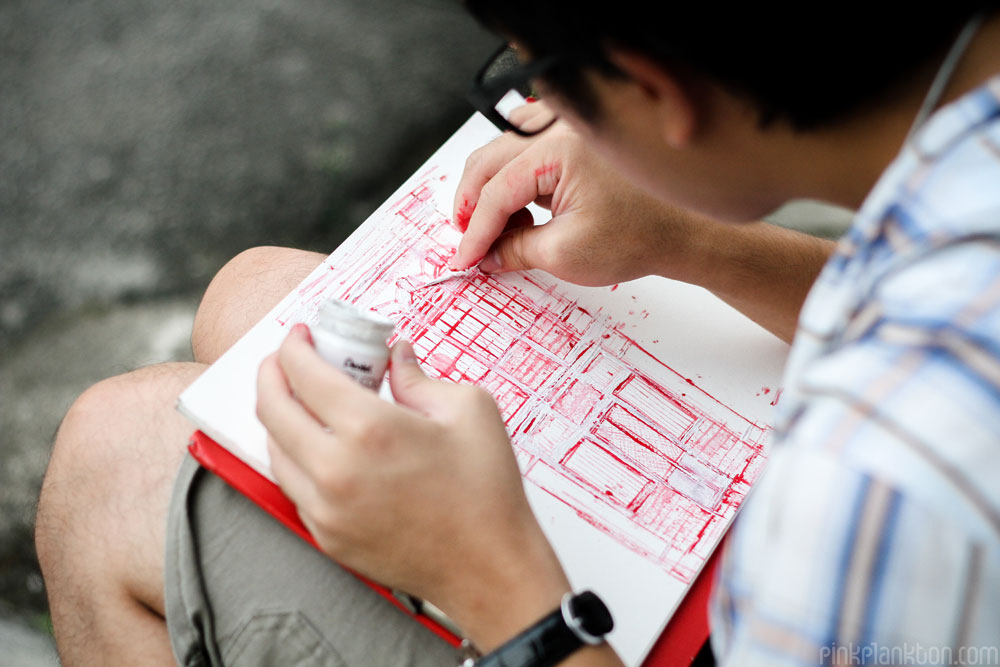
x=241, y=589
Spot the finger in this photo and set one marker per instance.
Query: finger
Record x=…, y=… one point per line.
x=411, y=387
x=325, y=391
x=480, y=167
x=533, y=115
x=293, y=480
x=515, y=186
x=522, y=218
x=304, y=492
x=518, y=249
x=286, y=420
x=517, y=220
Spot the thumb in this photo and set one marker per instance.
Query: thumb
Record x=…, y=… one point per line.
x=410, y=386
x=515, y=250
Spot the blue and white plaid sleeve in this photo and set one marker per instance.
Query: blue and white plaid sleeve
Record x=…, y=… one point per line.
x=873, y=536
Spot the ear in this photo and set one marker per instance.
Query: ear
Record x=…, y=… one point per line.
x=673, y=101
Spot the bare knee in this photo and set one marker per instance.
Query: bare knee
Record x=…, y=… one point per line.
x=242, y=292
x=74, y=478
x=106, y=488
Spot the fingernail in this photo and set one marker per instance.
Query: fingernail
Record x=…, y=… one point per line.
x=406, y=353
x=302, y=329
x=463, y=266
x=490, y=263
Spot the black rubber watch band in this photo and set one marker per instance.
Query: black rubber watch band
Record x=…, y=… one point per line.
x=581, y=619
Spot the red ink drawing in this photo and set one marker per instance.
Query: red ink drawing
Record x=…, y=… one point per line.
x=635, y=449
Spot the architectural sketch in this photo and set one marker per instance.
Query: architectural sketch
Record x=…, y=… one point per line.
x=635, y=449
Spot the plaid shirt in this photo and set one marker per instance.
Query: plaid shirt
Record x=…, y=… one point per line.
x=874, y=535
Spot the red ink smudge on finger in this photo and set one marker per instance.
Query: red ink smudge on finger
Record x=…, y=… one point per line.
x=545, y=169
x=463, y=215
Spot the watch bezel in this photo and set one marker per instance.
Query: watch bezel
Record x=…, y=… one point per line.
x=575, y=623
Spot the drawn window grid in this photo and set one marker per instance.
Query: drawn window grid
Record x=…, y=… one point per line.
x=568, y=385
x=612, y=491
x=640, y=493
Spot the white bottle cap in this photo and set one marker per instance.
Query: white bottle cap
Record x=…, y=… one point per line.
x=344, y=319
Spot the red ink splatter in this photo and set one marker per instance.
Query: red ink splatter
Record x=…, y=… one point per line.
x=777, y=395
x=614, y=287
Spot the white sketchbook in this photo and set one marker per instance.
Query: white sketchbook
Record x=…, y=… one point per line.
x=638, y=412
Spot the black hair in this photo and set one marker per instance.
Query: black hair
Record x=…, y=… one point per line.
x=810, y=65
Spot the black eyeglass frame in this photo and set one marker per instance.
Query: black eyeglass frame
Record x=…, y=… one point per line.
x=485, y=96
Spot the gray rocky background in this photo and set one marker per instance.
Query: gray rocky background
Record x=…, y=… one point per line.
x=144, y=143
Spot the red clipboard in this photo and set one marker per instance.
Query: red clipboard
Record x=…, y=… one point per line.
x=683, y=637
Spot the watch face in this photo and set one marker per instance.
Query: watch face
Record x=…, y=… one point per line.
x=592, y=613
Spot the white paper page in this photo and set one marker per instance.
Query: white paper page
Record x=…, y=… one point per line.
x=638, y=412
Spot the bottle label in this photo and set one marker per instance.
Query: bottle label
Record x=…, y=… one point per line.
x=350, y=364
x=366, y=366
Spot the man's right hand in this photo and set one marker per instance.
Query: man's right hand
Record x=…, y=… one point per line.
x=603, y=229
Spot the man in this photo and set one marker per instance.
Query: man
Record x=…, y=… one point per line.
x=877, y=522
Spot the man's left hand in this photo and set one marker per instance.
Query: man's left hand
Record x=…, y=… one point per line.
x=424, y=495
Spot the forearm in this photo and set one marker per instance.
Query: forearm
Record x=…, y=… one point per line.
x=762, y=270
x=501, y=602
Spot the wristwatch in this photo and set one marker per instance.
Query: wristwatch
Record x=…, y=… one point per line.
x=581, y=619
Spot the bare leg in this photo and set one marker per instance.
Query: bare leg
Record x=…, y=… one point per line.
x=235, y=299
x=99, y=530
x=100, y=525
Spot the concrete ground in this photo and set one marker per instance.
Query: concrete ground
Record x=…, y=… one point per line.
x=144, y=143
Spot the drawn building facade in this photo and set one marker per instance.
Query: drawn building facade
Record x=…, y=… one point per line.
x=634, y=448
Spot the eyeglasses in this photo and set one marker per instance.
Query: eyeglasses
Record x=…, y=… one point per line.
x=502, y=87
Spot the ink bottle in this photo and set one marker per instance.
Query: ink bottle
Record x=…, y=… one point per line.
x=353, y=340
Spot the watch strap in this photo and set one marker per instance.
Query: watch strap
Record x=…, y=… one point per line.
x=580, y=619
